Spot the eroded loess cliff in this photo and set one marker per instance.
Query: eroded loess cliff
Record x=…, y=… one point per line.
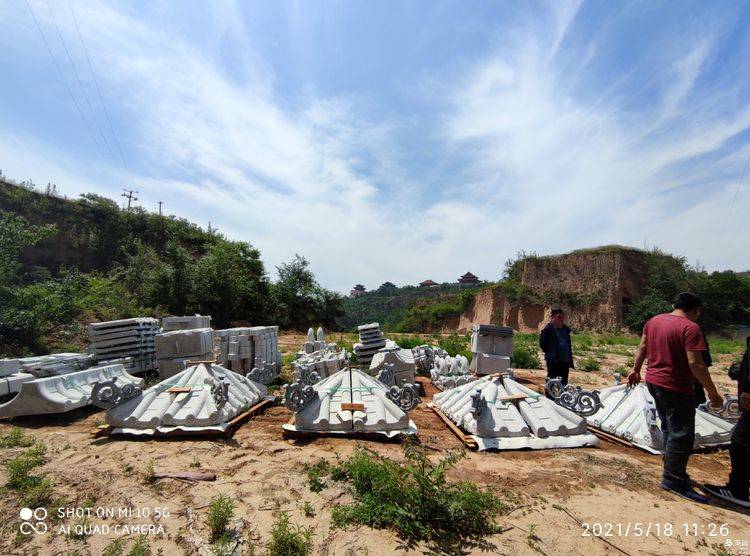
x=593, y=286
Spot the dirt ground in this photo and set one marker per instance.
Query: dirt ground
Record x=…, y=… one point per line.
x=553, y=491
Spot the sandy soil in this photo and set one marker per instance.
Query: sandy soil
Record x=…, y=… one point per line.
x=552, y=491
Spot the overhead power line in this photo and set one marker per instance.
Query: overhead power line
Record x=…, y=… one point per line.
x=98, y=89
x=80, y=83
x=65, y=81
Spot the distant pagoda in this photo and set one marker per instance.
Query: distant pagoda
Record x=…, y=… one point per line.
x=468, y=279
x=428, y=284
x=358, y=290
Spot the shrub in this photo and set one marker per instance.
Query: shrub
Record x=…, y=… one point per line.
x=525, y=357
x=455, y=344
x=288, y=539
x=220, y=512
x=315, y=474
x=409, y=342
x=415, y=499
x=308, y=510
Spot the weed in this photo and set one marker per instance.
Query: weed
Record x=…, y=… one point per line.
x=115, y=548
x=288, y=539
x=195, y=463
x=409, y=342
x=531, y=536
x=220, y=512
x=140, y=547
x=308, y=510
x=148, y=473
x=127, y=468
x=414, y=498
x=315, y=474
x=19, y=468
x=589, y=364
x=16, y=438
x=78, y=531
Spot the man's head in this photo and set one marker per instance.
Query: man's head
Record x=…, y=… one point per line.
x=558, y=317
x=688, y=303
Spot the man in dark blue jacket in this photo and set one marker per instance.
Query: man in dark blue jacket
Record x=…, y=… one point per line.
x=555, y=343
x=737, y=490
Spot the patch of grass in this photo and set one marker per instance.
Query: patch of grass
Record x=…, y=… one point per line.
x=195, y=463
x=115, y=548
x=140, y=547
x=315, y=474
x=308, y=510
x=588, y=364
x=409, y=342
x=525, y=357
x=16, y=439
x=726, y=346
x=288, y=539
x=220, y=512
x=19, y=468
x=617, y=469
x=414, y=498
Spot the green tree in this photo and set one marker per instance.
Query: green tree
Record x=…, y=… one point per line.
x=229, y=283
x=300, y=301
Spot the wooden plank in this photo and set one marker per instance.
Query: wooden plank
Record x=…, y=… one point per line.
x=180, y=389
x=468, y=441
x=513, y=398
x=352, y=407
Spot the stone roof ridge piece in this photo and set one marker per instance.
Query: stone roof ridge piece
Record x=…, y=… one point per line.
x=500, y=413
x=203, y=397
x=630, y=413
x=351, y=401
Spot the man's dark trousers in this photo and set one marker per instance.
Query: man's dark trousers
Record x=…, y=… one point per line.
x=557, y=369
x=677, y=415
x=739, y=452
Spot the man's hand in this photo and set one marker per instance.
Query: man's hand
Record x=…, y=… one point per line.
x=745, y=401
x=634, y=378
x=715, y=399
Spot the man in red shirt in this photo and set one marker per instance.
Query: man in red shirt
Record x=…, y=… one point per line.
x=674, y=345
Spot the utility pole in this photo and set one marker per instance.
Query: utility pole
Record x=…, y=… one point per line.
x=130, y=194
x=160, y=203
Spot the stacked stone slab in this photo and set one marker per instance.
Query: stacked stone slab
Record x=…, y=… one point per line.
x=370, y=341
x=630, y=413
x=61, y=393
x=491, y=348
x=202, y=397
x=501, y=414
x=394, y=366
x=127, y=338
x=349, y=402
x=174, y=349
x=190, y=322
x=252, y=351
x=47, y=365
x=449, y=372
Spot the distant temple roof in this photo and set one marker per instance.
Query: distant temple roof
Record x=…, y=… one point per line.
x=359, y=287
x=427, y=283
x=468, y=278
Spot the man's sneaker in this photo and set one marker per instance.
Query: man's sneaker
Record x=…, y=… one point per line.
x=685, y=491
x=725, y=493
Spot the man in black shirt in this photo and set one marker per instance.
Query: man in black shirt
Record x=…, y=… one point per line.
x=555, y=343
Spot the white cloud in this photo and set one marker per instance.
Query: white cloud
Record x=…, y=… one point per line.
x=523, y=159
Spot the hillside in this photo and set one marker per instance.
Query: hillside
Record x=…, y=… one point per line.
x=408, y=308
x=66, y=262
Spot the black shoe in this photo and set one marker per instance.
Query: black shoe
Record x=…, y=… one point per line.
x=725, y=493
x=685, y=491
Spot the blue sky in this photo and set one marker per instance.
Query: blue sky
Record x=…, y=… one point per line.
x=395, y=140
